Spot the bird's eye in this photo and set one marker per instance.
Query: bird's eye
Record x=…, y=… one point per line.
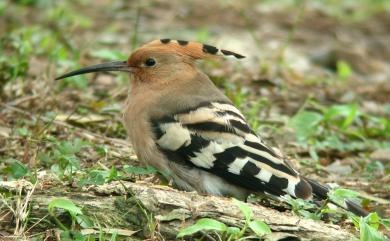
x=150, y=62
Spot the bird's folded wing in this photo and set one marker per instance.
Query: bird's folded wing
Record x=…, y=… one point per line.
x=215, y=137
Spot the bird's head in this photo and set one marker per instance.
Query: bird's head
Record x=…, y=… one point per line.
x=159, y=60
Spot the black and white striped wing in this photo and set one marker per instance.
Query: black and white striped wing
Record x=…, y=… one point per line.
x=215, y=137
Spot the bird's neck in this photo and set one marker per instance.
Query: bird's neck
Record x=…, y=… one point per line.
x=158, y=98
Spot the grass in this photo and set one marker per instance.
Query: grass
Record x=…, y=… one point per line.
x=71, y=128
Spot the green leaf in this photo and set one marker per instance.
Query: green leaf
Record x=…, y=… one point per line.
x=373, y=220
x=340, y=194
x=65, y=204
x=23, y=131
x=386, y=222
x=98, y=177
x=101, y=150
x=16, y=169
x=353, y=113
x=344, y=70
x=305, y=124
x=349, y=112
x=114, y=236
x=259, y=227
x=95, y=177
x=84, y=221
x=113, y=174
x=233, y=233
x=140, y=170
x=368, y=233
x=300, y=207
x=309, y=215
x=203, y=224
x=244, y=209
x=345, y=193
x=375, y=166
x=233, y=230
x=355, y=220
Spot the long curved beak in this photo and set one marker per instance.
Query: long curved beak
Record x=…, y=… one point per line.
x=110, y=66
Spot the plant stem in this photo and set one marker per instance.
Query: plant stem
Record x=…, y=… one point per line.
x=58, y=222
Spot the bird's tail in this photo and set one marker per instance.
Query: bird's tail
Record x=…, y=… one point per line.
x=321, y=192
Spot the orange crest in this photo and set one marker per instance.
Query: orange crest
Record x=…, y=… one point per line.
x=192, y=49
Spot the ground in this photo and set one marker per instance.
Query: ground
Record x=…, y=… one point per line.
x=314, y=84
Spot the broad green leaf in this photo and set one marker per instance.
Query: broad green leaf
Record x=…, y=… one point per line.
x=203, y=224
x=300, y=207
x=375, y=166
x=355, y=220
x=373, y=220
x=305, y=124
x=345, y=193
x=95, y=178
x=259, y=227
x=113, y=174
x=330, y=141
x=349, y=112
x=233, y=230
x=344, y=70
x=340, y=194
x=65, y=204
x=98, y=177
x=101, y=150
x=309, y=215
x=139, y=170
x=368, y=233
x=23, y=131
x=84, y=221
x=16, y=169
x=71, y=147
x=386, y=222
x=244, y=209
x=351, y=116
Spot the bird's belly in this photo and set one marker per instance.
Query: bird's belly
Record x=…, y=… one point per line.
x=203, y=182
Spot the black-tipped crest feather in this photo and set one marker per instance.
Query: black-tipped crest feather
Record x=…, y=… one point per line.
x=205, y=48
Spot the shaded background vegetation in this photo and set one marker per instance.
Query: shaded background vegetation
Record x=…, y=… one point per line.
x=315, y=84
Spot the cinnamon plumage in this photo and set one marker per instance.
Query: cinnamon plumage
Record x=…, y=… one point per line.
x=179, y=122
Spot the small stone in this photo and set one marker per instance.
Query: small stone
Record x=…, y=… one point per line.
x=382, y=155
x=338, y=168
x=5, y=131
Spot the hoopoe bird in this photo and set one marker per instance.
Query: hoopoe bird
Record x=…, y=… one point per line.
x=180, y=123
